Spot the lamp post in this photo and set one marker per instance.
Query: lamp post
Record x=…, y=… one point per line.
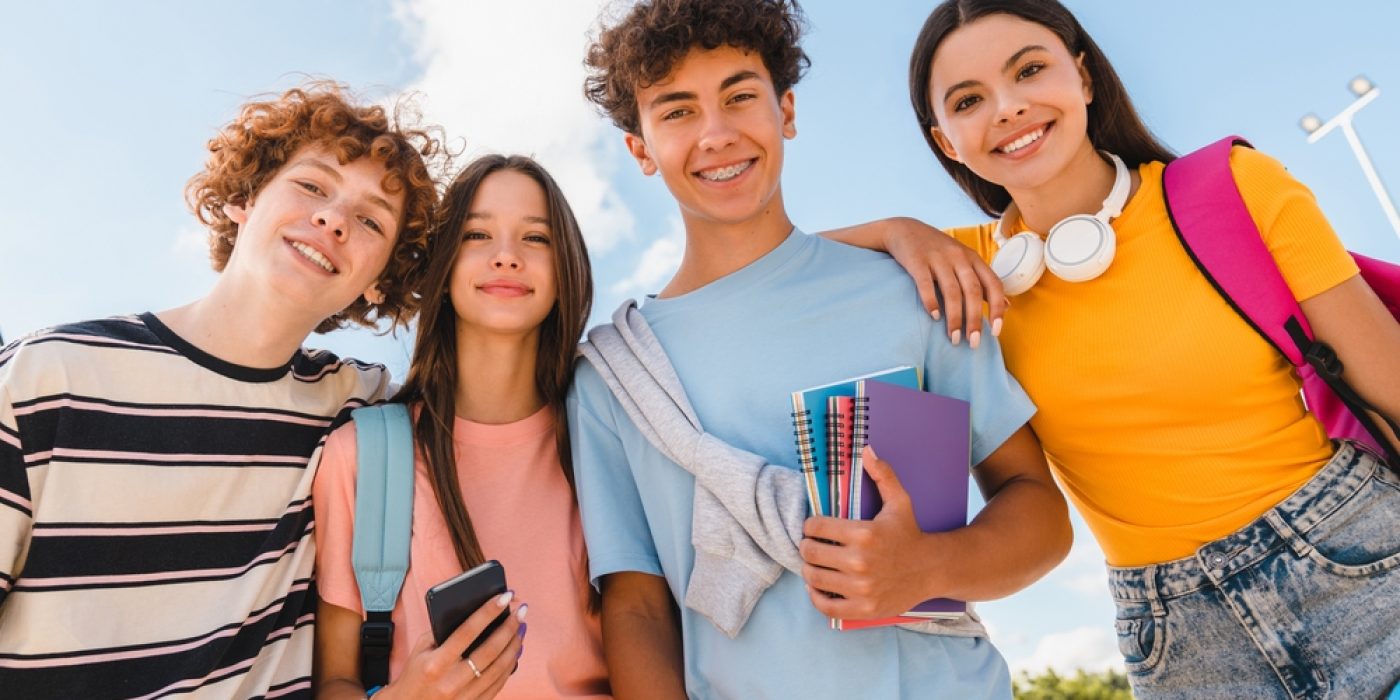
x=1366, y=92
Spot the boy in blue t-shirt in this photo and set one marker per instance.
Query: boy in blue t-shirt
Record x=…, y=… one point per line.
x=757, y=309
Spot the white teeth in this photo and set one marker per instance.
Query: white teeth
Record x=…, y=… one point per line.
x=727, y=173
x=1024, y=141
x=314, y=256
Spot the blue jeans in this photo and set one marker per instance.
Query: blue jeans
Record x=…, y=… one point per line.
x=1304, y=602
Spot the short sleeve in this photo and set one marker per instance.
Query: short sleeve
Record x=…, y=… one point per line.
x=1303, y=243
x=999, y=406
x=333, y=498
x=615, y=525
x=16, y=510
x=978, y=238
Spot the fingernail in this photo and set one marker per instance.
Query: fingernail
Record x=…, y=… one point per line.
x=957, y=337
x=523, y=627
x=937, y=315
x=520, y=614
x=974, y=338
x=519, y=652
x=504, y=599
x=996, y=328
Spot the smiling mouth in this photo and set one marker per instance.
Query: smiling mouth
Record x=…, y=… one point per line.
x=510, y=290
x=1024, y=141
x=727, y=173
x=313, y=255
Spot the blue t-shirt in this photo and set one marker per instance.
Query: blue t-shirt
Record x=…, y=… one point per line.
x=808, y=313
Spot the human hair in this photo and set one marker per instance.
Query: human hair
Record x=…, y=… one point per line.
x=1114, y=124
x=644, y=46
x=247, y=152
x=432, y=375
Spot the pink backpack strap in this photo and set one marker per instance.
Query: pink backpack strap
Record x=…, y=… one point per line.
x=1216, y=229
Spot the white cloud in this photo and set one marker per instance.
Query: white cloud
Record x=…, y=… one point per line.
x=1091, y=648
x=536, y=107
x=1084, y=571
x=656, y=264
x=191, y=239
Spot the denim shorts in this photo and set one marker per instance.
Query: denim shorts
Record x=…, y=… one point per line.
x=1304, y=602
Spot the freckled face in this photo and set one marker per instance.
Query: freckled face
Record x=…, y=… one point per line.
x=319, y=232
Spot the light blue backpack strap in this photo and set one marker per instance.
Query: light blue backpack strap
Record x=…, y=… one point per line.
x=383, y=524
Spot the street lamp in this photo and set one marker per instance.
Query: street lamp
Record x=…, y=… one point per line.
x=1366, y=92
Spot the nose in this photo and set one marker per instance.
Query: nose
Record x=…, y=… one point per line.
x=333, y=219
x=1010, y=107
x=506, y=257
x=717, y=132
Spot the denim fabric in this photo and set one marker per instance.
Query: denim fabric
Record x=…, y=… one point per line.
x=1302, y=603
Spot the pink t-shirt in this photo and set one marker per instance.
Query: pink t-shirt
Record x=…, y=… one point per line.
x=524, y=516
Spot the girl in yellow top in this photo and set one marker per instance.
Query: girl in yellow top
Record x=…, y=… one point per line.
x=505, y=296
x=1249, y=555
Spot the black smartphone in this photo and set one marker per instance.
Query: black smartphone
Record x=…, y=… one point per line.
x=451, y=602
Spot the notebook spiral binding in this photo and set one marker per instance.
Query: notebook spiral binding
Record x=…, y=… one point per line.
x=860, y=419
x=802, y=432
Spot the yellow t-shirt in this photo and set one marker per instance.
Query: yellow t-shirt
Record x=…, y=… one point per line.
x=1167, y=419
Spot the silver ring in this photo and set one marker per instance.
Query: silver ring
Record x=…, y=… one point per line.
x=474, y=668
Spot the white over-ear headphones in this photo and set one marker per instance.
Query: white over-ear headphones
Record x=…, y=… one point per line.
x=1077, y=249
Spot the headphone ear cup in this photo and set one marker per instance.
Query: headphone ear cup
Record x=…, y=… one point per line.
x=1020, y=262
x=1080, y=248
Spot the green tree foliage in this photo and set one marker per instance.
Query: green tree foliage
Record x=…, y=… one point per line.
x=1102, y=685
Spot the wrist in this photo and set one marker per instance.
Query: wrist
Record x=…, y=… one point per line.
x=936, y=566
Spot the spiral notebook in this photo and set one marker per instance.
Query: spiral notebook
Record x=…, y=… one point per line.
x=809, y=423
x=926, y=440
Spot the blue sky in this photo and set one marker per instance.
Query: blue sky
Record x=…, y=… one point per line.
x=108, y=105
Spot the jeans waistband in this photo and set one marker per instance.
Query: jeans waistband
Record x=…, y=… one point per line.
x=1337, y=481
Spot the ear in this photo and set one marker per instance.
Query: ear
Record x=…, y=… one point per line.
x=944, y=144
x=373, y=295
x=638, y=148
x=787, y=104
x=236, y=213
x=1085, y=78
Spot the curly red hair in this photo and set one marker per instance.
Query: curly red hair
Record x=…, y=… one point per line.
x=248, y=151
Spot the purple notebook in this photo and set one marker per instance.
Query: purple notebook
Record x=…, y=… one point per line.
x=926, y=439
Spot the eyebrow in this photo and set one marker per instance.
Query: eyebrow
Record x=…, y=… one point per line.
x=335, y=175
x=1005, y=67
x=483, y=216
x=681, y=95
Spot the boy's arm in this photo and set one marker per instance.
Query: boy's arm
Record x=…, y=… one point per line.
x=642, y=637
x=938, y=263
x=16, y=510
x=886, y=566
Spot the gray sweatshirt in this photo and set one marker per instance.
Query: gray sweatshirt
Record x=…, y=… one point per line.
x=748, y=514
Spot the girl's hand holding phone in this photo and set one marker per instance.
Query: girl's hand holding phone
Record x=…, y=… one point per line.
x=442, y=672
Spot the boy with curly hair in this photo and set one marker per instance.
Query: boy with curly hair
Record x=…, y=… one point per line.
x=702, y=90
x=155, y=514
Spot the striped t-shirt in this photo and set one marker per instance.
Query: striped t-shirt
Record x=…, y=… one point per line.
x=155, y=514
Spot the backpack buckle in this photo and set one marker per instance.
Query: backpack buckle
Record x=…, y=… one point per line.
x=376, y=637
x=1321, y=356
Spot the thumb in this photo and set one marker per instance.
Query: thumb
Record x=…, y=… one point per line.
x=892, y=493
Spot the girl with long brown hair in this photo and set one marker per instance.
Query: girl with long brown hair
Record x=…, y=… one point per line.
x=505, y=297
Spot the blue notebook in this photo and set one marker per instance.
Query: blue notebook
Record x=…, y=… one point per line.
x=809, y=421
